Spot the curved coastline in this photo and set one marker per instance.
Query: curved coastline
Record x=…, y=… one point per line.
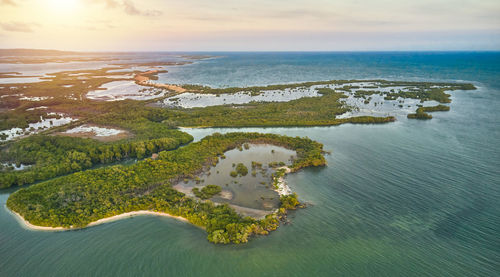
x=282, y=189
x=202, y=153
x=33, y=227
x=142, y=79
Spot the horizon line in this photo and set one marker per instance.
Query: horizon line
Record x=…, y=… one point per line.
x=248, y=51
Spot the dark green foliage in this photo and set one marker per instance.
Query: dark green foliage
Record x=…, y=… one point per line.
x=207, y=192
x=77, y=199
x=289, y=202
x=19, y=118
x=256, y=165
x=241, y=169
x=53, y=156
x=421, y=112
x=308, y=111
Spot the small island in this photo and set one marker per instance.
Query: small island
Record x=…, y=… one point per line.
x=207, y=192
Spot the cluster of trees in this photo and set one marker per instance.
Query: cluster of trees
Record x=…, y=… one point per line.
x=276, y=176
x=207, y=192
x=289, y=202
x=51, y=156
x=256, y=90
x=307, y=111
x=416, y=90
x=422, y=112
x=426, y=91
x=241, y=169
x=19, y=119
x=348, y=85
x=77, y=199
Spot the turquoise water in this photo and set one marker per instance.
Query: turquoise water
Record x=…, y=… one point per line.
x=410, y=198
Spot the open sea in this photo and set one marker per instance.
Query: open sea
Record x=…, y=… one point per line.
x=409, y=198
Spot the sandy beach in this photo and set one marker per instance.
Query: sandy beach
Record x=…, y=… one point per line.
x=30, y=226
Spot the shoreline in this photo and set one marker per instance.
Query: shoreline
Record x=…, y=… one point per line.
x=282, y=187
x=143, y=80
x=23, y=222
x=33, y=227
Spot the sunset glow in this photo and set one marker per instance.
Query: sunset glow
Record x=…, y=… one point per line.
x=63, y=5
x=256, y=25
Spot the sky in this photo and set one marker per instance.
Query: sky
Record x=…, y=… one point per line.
x=253, y=25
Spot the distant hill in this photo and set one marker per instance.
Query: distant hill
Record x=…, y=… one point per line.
x=35, y=52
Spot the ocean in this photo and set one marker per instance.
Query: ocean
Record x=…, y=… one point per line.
x=409, y=198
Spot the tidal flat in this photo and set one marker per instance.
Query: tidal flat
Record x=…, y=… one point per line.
x=251, y=194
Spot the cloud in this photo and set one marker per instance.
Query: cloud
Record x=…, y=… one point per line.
x=7, y=3
x=131, y=9
x=98, y=24
x=16, y=26
x=108, y=3
x=126, y=5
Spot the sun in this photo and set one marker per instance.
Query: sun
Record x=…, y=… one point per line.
x=63, y=5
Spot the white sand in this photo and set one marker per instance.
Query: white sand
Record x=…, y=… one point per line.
x=98, y=131
x=30, y=226
x=283, y=188
x=33, y=128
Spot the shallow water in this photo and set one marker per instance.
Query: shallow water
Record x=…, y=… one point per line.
x=254, y=192
x=41, y=69
x=21, y=80
x=98, y=131
x=376, y=106
x=121, y=90
x=409, y=198
x=193, y=100
x=33, y=128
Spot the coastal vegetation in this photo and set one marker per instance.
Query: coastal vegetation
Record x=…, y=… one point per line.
x=151, y=127
x=241, y=169
x=289, y=202
x=52, y=156
x=65, y=92
x=77, y=183
x=207, y=192
x=307, y=111
x=75, y=200
x=419, y=90
x=422, y=112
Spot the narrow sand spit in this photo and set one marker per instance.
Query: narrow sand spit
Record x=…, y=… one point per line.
x=30, y=226
x=283, y=188
x=143, y=80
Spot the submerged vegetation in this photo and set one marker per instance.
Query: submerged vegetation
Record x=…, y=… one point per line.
x=307, y=111
x=75, y=200
x=420, y=90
